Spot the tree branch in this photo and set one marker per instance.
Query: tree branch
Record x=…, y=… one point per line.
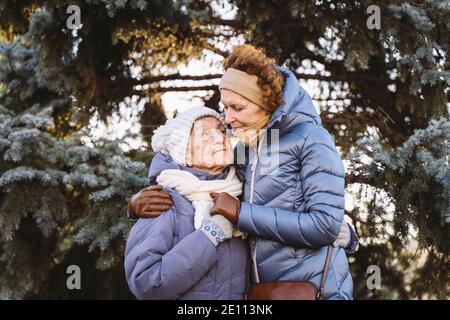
x=306, y=76
x=177, y=76
x=172, y=77
x=226, y=22
x=176, y=89
x=216, y=50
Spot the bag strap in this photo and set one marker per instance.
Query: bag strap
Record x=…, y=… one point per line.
x=325, y=272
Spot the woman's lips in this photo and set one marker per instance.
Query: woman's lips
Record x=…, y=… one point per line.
x=236, y=126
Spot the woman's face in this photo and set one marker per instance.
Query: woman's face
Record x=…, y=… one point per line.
x=208, y=146
x=240, y=113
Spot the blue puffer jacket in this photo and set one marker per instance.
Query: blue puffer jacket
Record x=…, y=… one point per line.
x=166, y=258
x=298, y=203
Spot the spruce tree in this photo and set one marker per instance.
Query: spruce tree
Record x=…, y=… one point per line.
x=62, y=203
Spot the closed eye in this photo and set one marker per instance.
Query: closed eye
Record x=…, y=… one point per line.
x=223, y=107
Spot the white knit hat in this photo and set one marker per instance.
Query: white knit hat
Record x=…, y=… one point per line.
x=172, y=138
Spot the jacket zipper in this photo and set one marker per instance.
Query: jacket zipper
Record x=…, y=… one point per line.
x=252, y=189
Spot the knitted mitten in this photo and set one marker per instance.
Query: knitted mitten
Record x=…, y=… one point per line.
x=217, y=229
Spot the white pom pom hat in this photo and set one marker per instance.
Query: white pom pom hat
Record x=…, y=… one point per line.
x=172, y=138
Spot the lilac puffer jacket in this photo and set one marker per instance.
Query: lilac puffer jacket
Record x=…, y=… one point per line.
x=166, y=258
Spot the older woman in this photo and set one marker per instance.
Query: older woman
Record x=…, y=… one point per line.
x=293, y=204
x=186, y=253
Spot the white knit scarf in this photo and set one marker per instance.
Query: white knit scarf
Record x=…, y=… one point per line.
x=197, y=191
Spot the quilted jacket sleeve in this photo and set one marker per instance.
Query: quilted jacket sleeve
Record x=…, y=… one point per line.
x=322, y=179
x=156, y=268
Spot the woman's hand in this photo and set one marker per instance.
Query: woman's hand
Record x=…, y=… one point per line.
x=343, y=237
x=226, y=205
x=347, y=238
x=149, y=202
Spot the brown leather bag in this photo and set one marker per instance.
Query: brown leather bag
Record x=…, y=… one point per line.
x=290, y=290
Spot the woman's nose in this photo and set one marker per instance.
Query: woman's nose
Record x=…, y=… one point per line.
x=218, y=136
x=228, y=117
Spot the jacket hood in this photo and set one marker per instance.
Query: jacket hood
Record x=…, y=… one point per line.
x=297, y=108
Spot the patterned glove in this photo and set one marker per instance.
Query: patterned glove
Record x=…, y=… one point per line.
x=217, y=229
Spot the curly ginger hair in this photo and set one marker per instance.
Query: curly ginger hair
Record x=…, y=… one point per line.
x=254, y=61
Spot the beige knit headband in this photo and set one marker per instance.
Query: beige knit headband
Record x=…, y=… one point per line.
x=245, y=85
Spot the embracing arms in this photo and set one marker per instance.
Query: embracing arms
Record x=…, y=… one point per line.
x=321, y=223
